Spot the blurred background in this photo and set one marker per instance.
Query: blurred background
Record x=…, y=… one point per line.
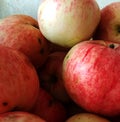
x=30, y=7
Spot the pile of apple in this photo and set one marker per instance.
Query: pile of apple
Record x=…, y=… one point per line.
x=62, y=67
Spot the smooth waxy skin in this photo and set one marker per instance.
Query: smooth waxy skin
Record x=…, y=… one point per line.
x=19, y=83
x=91, y=72
x=66, y=22
x=86, y=117
x=109, y=26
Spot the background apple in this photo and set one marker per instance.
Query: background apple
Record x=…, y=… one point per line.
x=48, y=108
x=91, y=77
x=51, y=76
x=86, y=117
x=19, y=83
x=68, y=22
x=109, y=26
x=19, y=116
x=21, y=32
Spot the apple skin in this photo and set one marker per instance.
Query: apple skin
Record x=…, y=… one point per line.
x=68, y=22
x=91, y=72
x=86, y=117
x=51, y=76
x=19, y=82
x=20, y=116
x=21, y=32
x=109, y=26
x=48, y=108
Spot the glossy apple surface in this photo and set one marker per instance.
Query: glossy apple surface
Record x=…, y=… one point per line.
x=67, y=22
x=91, y=72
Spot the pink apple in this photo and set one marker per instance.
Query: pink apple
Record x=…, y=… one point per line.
x=51, y=76
x=21, y=32
x=91, y=71
x=67, y=22
x=19, y=82
x=48, y=108
x=19, y=116
x=109, y=26
x=86, y=117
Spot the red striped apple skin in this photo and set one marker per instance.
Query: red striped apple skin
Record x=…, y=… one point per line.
x=91, y=71
x=19, y=83
x=21, y=32
x=68, y=21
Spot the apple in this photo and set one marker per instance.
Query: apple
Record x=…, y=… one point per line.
x=19, y=82
x=48, y=108
x=109, y=26
x=66, y=23
x=21, y=32
x=51, y=76
x=91, y=71
x=86, y=117
x=20, y=116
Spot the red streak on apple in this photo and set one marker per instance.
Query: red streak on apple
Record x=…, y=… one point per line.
x=91, y=75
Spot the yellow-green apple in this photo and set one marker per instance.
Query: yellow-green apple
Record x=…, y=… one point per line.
x=19, y=82
x=51, y=76
x=48, y=108
x=91, y=72
x=66, y=22
x=20, y=116
x=86, y=117
x=21, y=32
x=109, y=26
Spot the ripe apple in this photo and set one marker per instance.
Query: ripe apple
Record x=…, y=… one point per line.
x=86, y=117
x=20, y=116
x=109, y=26
x=21, y=32
x=51, y=76
x=19, y=82
x=67, y=22
x=48, y=108
x=91, y=71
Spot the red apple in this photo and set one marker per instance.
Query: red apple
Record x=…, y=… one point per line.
x=19, y=116
x=91, y=71
x=67, y=22
x=51, y=76
x=21, y=32
x=86, y=117
x=109, y=26
x=48, y=108
x=19, y=82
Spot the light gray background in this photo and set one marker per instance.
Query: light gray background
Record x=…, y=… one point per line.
x=30, y=7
